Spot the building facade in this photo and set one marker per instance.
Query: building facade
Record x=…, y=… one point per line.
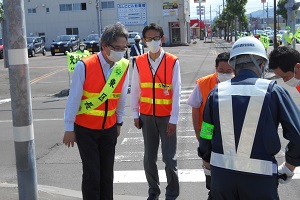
x=82, y=17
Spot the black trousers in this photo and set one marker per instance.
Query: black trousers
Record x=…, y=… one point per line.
x=231, y=185
x=97, y=152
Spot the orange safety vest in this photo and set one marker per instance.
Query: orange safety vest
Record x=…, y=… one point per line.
x=104, y=116
x=206, y=84
x=298, y=88
x=156, y=91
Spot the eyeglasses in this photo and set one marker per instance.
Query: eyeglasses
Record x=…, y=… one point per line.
x=149, y=39
x=118, y=48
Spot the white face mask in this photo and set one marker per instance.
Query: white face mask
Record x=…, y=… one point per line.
x=154, y=46
x=223, y=77
x=293, y=82
x=115, y=56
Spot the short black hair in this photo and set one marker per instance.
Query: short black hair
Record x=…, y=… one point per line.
x=222, y=57
x=284, y=58
x=153, y=26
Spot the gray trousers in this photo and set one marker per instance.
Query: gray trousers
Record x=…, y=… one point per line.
x=155, y=128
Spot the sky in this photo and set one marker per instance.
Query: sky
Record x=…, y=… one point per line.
x=251, y=6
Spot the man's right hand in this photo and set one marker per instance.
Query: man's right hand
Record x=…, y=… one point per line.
x=69, y=138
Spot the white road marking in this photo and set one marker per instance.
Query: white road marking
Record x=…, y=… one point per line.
x=140, y=140
x=4, y=101
x=138, y=176
x=133, y=176
x=36, y=120
x=67, y=192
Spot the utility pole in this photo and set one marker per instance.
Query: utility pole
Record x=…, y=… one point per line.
x=263, y=18
x=210, y=23
x=21, y=105
x=200, y=10
x=98, y=4
x=268, y=14
x=275, y=28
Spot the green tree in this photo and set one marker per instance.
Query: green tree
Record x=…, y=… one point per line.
x=281, y=10
x=1, y=11
x=238, y=10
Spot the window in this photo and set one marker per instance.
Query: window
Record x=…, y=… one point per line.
x=31, y=10
x=47, y=10
x=72, y=7
x=65, y=7
x=72, y=31
x=107, y=4
x=79, y=6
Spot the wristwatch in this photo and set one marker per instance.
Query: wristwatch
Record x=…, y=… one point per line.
x=120, y=124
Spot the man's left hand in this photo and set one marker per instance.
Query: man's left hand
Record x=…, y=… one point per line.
x=118, y=130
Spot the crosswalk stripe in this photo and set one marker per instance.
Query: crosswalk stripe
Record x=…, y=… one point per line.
x=140, y=140
x=184, y=175
x=138, y=176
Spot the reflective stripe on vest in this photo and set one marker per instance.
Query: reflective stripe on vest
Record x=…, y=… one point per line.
x=239, y=160
x=288, y=37
x=91, y=103
x=137, y=51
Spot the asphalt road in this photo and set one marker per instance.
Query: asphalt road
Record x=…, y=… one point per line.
x=59, y=167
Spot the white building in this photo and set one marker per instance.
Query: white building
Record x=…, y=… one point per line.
x=51, y=18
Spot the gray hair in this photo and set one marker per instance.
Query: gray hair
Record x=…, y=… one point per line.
x=112, y=32
x=246, y=62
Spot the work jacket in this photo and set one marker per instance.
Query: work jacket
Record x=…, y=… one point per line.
x=244, y=126
x=156, y=90
x=104, y=116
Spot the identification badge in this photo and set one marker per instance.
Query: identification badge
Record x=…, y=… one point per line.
x=166, y=92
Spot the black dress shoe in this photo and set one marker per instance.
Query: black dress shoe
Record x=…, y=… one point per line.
x=152, y=197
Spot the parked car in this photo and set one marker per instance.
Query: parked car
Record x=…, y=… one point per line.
x=1, y=48
x=64, y=43
x=92, y=43
x=35, y=45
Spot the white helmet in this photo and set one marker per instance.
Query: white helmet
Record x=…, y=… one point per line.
x=247, y=46
x=137, y=37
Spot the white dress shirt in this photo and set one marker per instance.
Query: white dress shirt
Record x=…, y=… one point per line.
x=176, y=88
x=195, y=100
x=76, y=91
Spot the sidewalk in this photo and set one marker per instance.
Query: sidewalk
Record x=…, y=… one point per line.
x=10, y=192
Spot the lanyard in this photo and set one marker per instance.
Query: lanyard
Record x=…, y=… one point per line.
x=165, y=71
